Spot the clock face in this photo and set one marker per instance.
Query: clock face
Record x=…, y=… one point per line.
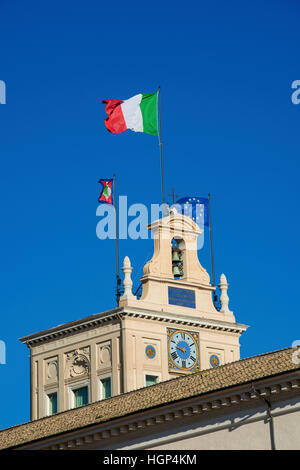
x=183, y=350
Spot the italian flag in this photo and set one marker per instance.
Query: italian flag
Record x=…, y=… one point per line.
x=138, y=114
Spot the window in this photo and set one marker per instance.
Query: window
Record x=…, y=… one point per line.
x=81, y=396
x=106, y=388
x=151, y=380
x=52, y=403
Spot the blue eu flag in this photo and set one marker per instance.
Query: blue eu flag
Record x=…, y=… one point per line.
x=195, y=207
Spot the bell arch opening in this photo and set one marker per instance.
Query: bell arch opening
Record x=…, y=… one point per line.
x=178, y=259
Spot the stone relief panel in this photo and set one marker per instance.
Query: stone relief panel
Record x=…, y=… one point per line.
x=77, y=363
x=104, y=355
x=51, y=369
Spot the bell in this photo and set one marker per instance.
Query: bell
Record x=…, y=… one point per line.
x=175, y=255
x=176, y=271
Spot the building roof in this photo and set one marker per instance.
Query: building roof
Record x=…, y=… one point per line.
x=174, y=390
x=95, y=320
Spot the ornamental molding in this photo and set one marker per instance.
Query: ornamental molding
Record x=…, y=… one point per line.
x=186, y=320
x=72, y=328
x=178, y=283
x=117, y=315
x=104, y=354
x=52, y=370
x=77, y=363
x=177, y=413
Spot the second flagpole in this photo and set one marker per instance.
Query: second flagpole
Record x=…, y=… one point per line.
x=161, y=152
x=118, y=279
x=212, y=253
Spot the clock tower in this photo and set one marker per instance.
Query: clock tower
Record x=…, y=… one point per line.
x=176, y=328
x=172, y=330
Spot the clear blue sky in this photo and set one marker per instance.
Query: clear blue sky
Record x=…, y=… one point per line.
x=229, y=128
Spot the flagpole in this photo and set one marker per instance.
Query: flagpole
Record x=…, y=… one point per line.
x=161, y=153
x=212, y=252
x=118, y=295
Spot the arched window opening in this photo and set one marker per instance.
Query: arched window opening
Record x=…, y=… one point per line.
x=177, y=259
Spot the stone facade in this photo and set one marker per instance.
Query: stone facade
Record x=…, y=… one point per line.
x=174, y=318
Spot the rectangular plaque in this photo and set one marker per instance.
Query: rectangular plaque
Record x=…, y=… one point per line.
x=182, y=297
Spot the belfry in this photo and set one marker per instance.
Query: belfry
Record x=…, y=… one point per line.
x=174, y=329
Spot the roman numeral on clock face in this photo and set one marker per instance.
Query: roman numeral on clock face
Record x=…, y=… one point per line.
x=174, y=355
x=183, y=364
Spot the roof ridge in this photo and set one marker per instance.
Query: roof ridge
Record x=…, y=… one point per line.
x=257, y=355
x=163, y=384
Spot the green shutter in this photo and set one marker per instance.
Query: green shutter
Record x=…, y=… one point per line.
x=52, y=403
x=81, y=396
x=106, y=388
x=151, y=380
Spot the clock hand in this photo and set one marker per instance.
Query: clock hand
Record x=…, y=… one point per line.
x=181, y=349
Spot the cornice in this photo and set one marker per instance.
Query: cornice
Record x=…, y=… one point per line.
x=202, y=322
x=70, y=328
x=183, y=283
x=97, y=320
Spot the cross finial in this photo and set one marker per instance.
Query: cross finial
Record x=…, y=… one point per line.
x=173, y=195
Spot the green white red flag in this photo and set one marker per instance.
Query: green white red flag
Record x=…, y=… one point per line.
x=138, y=114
